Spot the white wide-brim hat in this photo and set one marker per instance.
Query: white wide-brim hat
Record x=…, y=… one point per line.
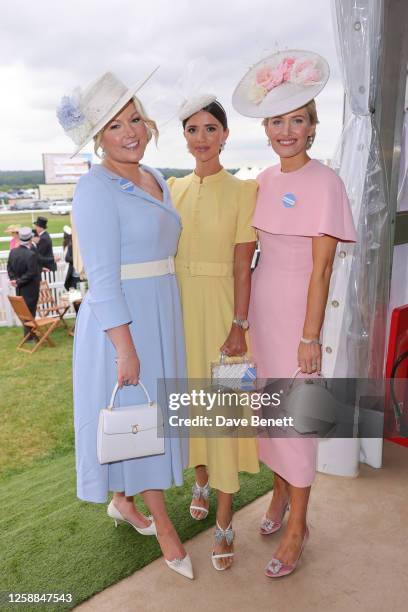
x=84, y=113
x=281, y=83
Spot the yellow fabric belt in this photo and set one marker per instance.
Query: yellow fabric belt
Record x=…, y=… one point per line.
x=203, y=268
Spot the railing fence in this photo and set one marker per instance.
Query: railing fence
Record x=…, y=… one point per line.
x=55, y=281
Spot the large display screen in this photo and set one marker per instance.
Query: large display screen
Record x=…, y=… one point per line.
x=61, y=168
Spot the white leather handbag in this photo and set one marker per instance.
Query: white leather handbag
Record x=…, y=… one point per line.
x=130, y=432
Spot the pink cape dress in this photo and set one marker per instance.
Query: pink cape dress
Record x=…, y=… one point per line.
x=291, y=208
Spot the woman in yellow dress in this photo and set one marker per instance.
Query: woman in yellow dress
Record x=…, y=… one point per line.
x=213, y=269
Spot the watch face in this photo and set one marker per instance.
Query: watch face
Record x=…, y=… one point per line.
x=245, y=325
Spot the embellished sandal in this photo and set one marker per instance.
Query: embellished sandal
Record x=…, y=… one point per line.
x=268, y=526
x=278, y=569
x=200, y=493
x=221, y=534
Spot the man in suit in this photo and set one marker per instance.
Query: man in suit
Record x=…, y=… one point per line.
x=24, y=272
x=44, y=245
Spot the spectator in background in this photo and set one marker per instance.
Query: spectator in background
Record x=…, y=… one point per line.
x=24, y=272
x=13, y=231
x=72, y=277
x=44, y=246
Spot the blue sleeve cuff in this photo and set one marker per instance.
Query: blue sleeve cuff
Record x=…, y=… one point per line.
x=111, y=312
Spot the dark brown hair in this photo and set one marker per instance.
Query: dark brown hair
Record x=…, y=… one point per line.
x=216, y=110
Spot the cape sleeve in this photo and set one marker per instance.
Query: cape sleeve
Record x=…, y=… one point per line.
x=96, y=220
x=336, y=218
x=314, y=203
x=246, y=207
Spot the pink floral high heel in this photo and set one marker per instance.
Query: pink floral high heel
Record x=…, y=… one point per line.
x=268, y=526
x=277, y=569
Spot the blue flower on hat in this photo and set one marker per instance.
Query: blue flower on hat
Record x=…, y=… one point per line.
x=69, y=112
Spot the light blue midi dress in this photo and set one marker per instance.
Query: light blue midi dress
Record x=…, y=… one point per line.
x=119, y=223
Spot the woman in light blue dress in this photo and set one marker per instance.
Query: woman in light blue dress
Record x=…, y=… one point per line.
x=126, y=328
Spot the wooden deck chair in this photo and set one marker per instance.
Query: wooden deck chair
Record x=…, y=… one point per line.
x=41, y=328
x=47, y=304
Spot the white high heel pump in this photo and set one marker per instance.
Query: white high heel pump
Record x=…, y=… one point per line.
x=114, y=513
x=182, y=566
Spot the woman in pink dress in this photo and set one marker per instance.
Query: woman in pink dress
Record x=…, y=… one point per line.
x=13, y=231
x=302, y=212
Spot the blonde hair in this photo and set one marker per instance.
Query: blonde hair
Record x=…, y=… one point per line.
x=311, y=110
x=151, y=127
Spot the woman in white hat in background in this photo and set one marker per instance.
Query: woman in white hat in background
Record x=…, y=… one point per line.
x=302, y=212
x=125, y=221
x=213, y=267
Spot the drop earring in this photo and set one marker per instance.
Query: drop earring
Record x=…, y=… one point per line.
x=310, y=141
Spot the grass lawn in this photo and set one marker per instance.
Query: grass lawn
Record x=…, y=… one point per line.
x=55, y=224
x=35, y=399
x=50, y=541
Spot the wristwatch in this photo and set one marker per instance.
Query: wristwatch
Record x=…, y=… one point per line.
x=242, y=323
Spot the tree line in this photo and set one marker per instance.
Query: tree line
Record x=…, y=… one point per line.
x=27, y=179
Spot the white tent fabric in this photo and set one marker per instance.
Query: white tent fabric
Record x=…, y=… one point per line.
x=354, y=329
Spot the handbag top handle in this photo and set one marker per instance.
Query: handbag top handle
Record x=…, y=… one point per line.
x=116, y=388
x=223, y=357
x=298, y=371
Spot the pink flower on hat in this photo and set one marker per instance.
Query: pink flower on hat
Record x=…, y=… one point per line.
x=264, y=75
x=289, y=70
x=287, y=67
x=305, y=72
x=269, y=77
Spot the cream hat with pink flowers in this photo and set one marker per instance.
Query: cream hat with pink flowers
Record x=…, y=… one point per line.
x=281, y=83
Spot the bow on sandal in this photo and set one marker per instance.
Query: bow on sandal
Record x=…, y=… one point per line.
x=200, y=493
x=221, y=534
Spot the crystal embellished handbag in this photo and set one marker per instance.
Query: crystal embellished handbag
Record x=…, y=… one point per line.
x=131, y=431
x=238, y=374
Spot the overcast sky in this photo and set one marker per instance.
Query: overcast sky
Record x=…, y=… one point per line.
x=47, y=48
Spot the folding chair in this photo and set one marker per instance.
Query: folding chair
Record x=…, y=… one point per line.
x=47, y=304
x=41, y=328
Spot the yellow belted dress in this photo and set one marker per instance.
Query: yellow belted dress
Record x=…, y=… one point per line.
x=216, y=214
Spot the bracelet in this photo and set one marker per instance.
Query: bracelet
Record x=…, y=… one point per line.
x=307, y=341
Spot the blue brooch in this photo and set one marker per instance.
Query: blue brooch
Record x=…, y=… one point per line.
x=289, y=200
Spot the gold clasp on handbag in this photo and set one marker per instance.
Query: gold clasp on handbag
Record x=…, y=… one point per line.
x=135, y=428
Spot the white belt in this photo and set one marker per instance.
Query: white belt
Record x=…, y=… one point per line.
x=147, y=268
